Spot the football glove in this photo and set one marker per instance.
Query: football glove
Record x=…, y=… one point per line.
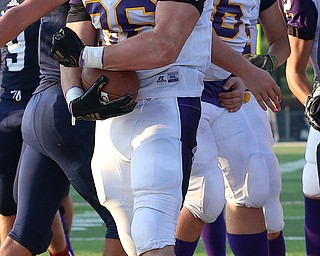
x=266, y=62
x=67, y=47
x=92, y=106
x=312, y=107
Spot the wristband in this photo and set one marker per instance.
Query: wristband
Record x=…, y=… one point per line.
x=73, y=93
x=274, y=62
x=92, y=57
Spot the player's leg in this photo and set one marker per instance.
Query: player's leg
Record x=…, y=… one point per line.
x=66, y=212
x=273, y=211
x=10, y=147
x=112, y=246
x=246, y=181
x=74, y=151
x=58, y=245
x=113, y=183
x=204, y=200
x=159, y=146
x=175, y=138
x=12, y=248
x=6, y=223
x=66, y=216
x=214, y=237
x=311, y=190
x=36, y=180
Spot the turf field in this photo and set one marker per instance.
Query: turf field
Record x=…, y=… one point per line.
x=88, y=231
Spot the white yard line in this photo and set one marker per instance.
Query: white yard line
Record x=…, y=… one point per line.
x=292, y=166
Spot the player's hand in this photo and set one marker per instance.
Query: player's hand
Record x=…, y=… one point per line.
x=93, y=106
x=67, y=47
x=264, y=89
x=267, y=62
x=312, y=107
x=233, y=96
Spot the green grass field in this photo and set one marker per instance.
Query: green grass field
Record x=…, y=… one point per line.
x=88, y=231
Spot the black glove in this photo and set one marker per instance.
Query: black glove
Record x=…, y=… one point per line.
x=312, y=107
x=266, y=62
x=91, y=106
x=67, y=47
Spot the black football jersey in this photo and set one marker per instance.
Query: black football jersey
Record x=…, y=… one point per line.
x=19, y=59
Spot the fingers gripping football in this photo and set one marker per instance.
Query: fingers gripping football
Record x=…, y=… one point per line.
x=93, y=106
x=312, y=108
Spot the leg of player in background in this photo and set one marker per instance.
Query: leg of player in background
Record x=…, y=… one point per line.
x=186, y=245
x=246, y=230
x=214, y=237
x=67, y=210
x=311, y=190
x=66, y=216
x=205, y=199
x=312, y=225
x=6, y=223
x=58, y=245
x=272, y=209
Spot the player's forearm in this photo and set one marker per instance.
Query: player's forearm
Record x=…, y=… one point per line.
x=280, y=49
x=145, y=51
x=299, y=85
x=228, y=59
x=17, y=19
x=10, y=30
x=158, y=47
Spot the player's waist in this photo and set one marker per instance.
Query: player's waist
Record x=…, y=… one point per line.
x=15, y=94
x=173, y=82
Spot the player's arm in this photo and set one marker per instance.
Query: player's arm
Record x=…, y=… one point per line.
x=258, y=81
x=275, y=30
x=296, y=67
x=302, y=19
x=158, y=47
x=87, y=33
x=17, y=19
x=174, y=22
x=88, y=105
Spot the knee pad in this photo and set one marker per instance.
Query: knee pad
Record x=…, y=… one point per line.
x=255, y=189
x=205, y=197
x=273, y=209
x=257, y=181
x=157, y=189
x=310, y=180
x=154, y=221
x=311, y=170
x=273, y=213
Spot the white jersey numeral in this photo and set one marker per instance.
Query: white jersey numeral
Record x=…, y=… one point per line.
x=17, y=48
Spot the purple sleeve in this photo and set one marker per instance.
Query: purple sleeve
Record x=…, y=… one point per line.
x=302, y=18
x=75, y=2
x=265, y=4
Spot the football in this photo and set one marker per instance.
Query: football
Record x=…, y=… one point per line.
x=119, y=83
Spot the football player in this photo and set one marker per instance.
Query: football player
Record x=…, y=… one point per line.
x=275, y=32
x=242, y=218
x=55, y=153
x=132, y=169
x=266, y=91
x=303, y=30
x=274, y=29
x=126, y=153
x=19, y=60
x=19, y=77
